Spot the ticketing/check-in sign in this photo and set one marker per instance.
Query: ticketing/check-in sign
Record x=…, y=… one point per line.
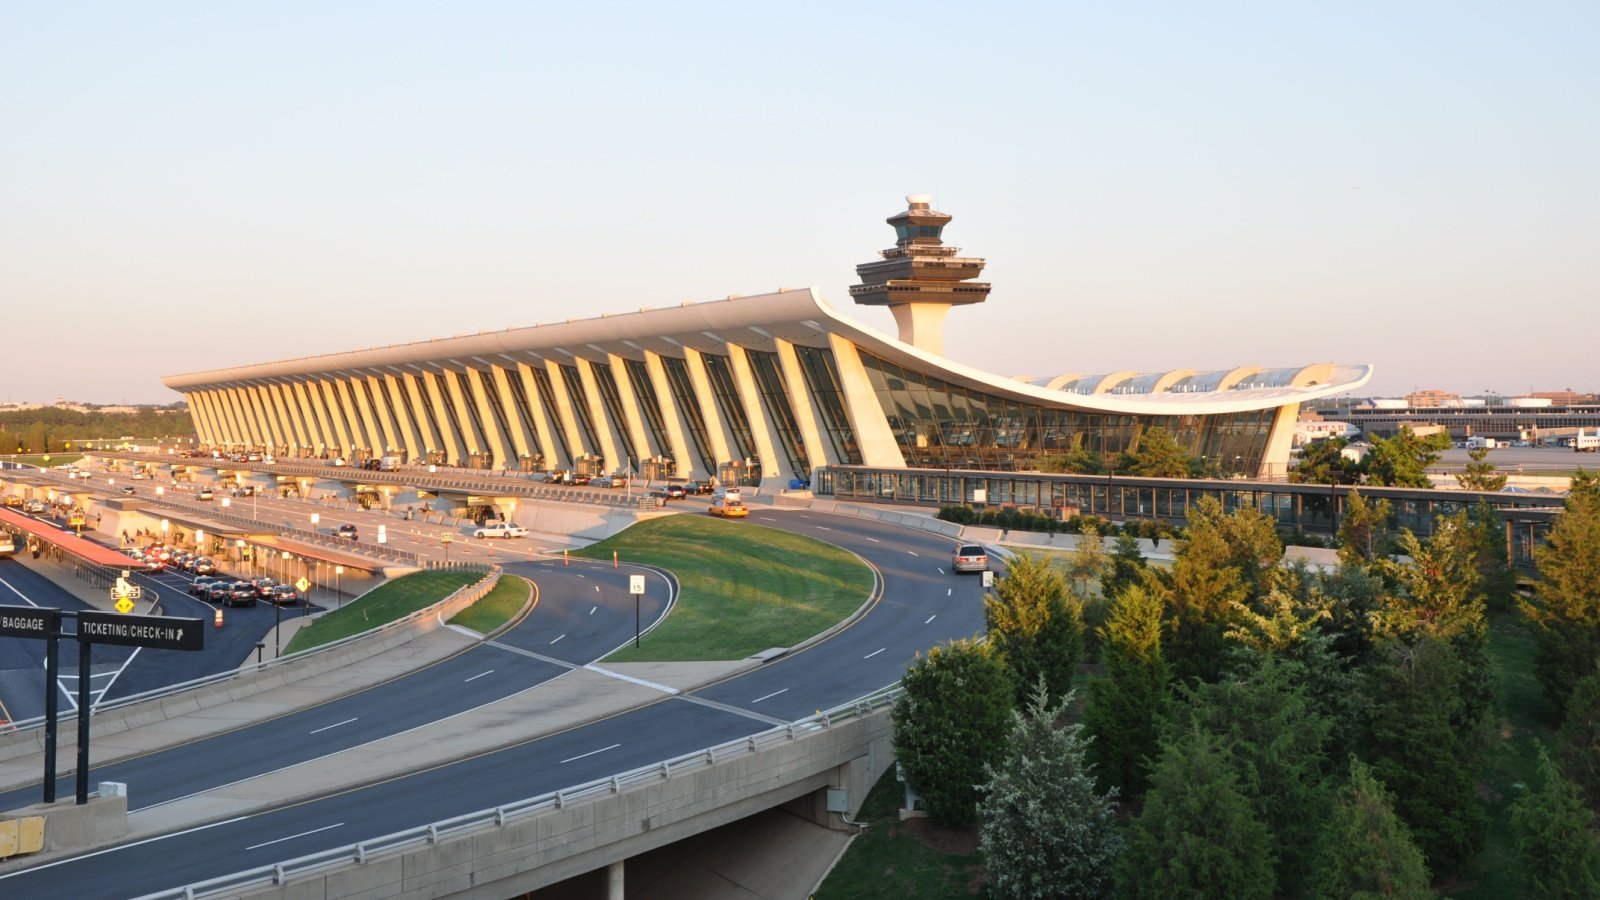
x=155, y=632
x=635, y=584
x=29, y=621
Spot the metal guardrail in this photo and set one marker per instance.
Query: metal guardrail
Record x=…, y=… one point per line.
x=219, y=677
x=361, y=853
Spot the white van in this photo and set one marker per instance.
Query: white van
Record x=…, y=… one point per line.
x=8, y=545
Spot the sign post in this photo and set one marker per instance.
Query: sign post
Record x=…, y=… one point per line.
x=636, y=588
x=45, y=624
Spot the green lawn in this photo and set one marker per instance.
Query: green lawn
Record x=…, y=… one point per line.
x=890, y=860
x=745, y=588
x=1513, y=760
x=497, y=607
x=380, y=606
x=56, y=459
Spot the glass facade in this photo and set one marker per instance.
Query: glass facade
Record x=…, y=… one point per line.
x=683, y=393
x=496, y=407
x=427, y=411
x=547, y=396
x=941, y=425
x=775, y=400
x=519, y=396
x=822, y=379
x=485, y=455
x=609, y=396
x=580, y=408
x=645, y=391
x=720, y=374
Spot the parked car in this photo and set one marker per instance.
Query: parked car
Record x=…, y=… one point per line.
x=130, y=490
x=14, y=502
x=347, y=531
x=604, y=481
x=219, y=591
x=204, y=565
x=242, y=592
x=676, y=491
x=698, y=488
x=970, y=558
x=263, y=587
x=284, y=593
x=33, y=506
x=501, y=530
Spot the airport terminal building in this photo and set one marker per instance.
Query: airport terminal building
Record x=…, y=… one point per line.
x=762, y=389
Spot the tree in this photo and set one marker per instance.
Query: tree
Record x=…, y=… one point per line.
x=1403, y=460
x=1077, y=460
x=1219, y=567
x=1275, y=742
x=1088, y=565
x=1127, y=703
x=1578, y=741
x=1364, y=850
x=1414, y=746
x=1128, y=566
x=1364, y=530
x=1499, y=580
x=1555, y=838
x=956, y=700
x=1480, y=475
x=1565, y=609
x=1159, y=455
x=1324, y=462
x=1034, y=626
x=1197, y=836
x=1045, y=829
x=1439, y=586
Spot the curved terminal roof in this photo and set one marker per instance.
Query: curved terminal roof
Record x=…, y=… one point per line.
x=802, y=317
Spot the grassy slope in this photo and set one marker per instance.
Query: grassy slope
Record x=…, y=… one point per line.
x=385, y=603
x=744, y=588
x=496, y=607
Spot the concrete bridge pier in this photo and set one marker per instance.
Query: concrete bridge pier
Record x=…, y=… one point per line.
x=614, y=882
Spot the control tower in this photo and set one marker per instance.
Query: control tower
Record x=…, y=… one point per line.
x=919, y=278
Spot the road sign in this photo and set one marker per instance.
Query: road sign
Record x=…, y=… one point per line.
x=383, y=535
x=302, y=585
x=124, y=605
x=155, y=632
x=635, y=584
x=29, y=621
x=988, y=578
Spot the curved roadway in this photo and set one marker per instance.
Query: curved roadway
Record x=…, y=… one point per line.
x=923, y=604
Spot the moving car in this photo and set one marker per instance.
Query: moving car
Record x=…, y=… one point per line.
x=347, y=531
x=284, y=593
x=219, y=591
x=205, y=566
x=33, y=506
x=241, y=592
x=203, y=494
x=501, y=530
x=201, y=587
x=970, y=558
x=14, y=502
x=676, y=491
x=729, y=508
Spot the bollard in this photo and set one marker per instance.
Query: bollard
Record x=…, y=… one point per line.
x=217, y=620
x=614, y=562
x=564, y=561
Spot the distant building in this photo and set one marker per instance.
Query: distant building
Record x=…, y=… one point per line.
x=1423, y=399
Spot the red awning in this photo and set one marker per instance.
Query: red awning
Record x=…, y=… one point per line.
x=50, y=534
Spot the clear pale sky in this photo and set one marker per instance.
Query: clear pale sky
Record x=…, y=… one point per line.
x=185, y=186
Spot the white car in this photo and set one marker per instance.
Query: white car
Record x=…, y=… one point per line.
x=501, y=530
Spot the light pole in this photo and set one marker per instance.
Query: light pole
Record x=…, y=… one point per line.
x=315, y=518
x=338, y=586
x=239, y=546
x=445, y=539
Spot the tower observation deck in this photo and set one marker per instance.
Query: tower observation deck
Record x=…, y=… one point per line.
x=920, y=278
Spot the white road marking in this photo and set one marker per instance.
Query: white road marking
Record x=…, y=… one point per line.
x=912, y=552
x=632, y=680
x=597, y=587
x=875, y=540
x=163, y=837
x=769, y=696
x=823, y=528
x=941, y=571
x=558, y=640
x=580, y=575
x=293, y=836
x=591, y=753
x=875, y=653
x=592, y=609
x=949, y=591
x=334, y=725
x=930, y=618
x=479, y=675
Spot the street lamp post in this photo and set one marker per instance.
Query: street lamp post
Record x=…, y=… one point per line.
x=338, y=586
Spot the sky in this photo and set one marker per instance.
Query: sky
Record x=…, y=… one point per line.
x=1414, y=185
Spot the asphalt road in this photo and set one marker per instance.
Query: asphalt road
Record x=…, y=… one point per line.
x=923, y=604
x=22, y=672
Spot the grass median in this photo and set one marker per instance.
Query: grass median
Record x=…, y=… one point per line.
x=744, y=588
x=496, y=607
x=390, y=601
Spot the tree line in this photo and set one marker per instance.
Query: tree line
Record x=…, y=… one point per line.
x=48, y=429
x=1252, y=729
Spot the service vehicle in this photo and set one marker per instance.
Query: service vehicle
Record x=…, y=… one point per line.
x=389, y=464
x=1586, y=443
x=203, y=494
x=501, y=530
x=970, y=558
x=8, y=545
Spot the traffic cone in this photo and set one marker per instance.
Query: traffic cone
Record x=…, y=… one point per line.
x=217, y=620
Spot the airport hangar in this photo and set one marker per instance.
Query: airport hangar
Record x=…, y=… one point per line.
x=760, y=389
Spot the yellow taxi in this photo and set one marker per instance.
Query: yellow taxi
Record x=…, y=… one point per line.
x=729, y=509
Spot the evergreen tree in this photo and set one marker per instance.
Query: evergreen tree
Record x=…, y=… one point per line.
x=1497, y=578
x=1364, y=530
x=1578, y=742
x=1159, y=455
x=1480, y=475
x=1219, y=567
x=1197, y=836
x=1034, y=625
x=1324, y=462
x=1046, y=831
x=1565, y=609
x=1128, y=566
x=955, y=701
x=1556, y=840
x=1126, y=704
x=1088, y=565
x=1415, y=747
x=1275, y=742
x=1352, y=595
x=1364, y=850
x=1403, y=460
